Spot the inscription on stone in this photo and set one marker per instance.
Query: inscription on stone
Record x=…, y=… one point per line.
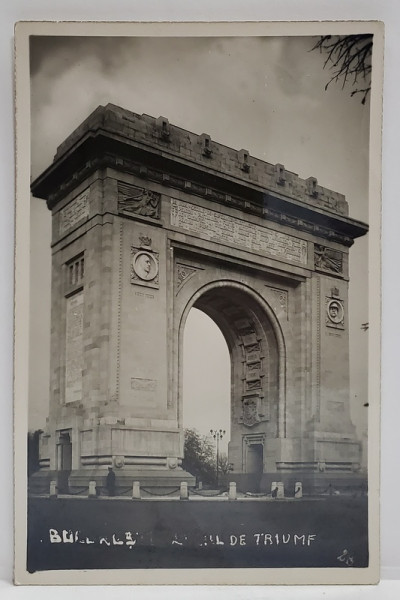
x=141, y=295
x=215, y=226
x=74, y=212
x=143, y=385
x=74, y=348
x=144, y=391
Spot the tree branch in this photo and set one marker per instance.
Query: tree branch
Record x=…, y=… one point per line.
x=348, y=57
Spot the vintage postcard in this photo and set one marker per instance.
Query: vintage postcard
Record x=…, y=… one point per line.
x=197, y=309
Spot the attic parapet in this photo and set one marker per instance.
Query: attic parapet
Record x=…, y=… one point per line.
x=204, y=153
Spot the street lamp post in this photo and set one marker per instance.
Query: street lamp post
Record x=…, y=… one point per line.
x=217, y=434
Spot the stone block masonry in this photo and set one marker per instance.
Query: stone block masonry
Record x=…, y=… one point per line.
x=150, y=220
x=204, y=151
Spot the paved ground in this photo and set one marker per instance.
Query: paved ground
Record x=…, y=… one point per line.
x=79, y=533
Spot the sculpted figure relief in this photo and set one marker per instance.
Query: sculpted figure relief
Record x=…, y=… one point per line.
x=328, y=259
x=145, y=203
x=145, y=265
x=335, y=311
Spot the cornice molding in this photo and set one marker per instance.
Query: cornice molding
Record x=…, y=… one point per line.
x=260, y=202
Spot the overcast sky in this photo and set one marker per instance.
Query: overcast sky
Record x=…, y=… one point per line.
x=263, y=94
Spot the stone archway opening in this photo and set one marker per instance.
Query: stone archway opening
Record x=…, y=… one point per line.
x=206, y=400
x=206, y=387
x=256, y=364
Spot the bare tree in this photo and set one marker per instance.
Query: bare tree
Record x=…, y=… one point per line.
x=349, y=59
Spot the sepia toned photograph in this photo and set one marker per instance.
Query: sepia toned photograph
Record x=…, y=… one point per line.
x=201, y=242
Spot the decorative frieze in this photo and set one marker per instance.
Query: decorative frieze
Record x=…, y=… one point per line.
x=151, y=174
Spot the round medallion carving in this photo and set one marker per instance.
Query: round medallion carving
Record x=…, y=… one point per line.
x=335, y=311
x=145, y=265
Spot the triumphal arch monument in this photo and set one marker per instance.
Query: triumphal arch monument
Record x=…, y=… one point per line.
x=150, y=220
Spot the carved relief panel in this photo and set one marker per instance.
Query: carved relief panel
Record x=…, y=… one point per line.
x=254, y=404
x=328, y=260
x=251, y=410
x=183, y=273
x=133, y=200
x=279, y=300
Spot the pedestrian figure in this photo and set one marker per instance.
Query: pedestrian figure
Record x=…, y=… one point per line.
x=274, y=492
x=111, y=482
